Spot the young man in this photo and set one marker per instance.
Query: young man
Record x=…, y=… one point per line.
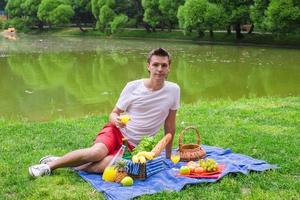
x=150, y=103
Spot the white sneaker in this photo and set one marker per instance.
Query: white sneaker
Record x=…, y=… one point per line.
x=39, y=170
x=49, y=158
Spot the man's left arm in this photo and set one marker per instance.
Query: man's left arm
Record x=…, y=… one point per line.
x=170, y=127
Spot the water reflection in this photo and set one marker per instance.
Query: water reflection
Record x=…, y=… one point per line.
x=73, y=77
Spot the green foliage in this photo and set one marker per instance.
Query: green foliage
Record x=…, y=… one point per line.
x=283, y=16
x=25, y=11
x=55, y=11
x=1, y=23
x=191, y=15
x=82, y=11
x=105, y=18
x=14, y=9
x=118, y=22
x=169, y=10
x=146, y=144
x=257, y=13
x=98, y=4
x=61, y=14
x=201, y=15
x=20, y=24
x=131, y=23
x=240, y=14
x=152, y=14
x=30, y=7
x=215, y=17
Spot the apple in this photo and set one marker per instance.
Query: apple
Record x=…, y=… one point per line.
x=184, y=170
x=199, y=170
x=192, y=168
x=127, y=181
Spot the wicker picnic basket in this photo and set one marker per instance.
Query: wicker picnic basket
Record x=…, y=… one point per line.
x=190, y=152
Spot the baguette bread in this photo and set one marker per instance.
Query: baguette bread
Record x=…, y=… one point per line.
x=161, y=144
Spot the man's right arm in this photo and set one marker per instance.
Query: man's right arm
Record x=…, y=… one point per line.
x=114, y=117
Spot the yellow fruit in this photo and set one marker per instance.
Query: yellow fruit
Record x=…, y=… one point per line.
x=142, y=153
x=127, y=181
x=109, y=174
x=142, y=159
x=135, y=159
x=184, y=170
x=124, y=118
x=149, y=155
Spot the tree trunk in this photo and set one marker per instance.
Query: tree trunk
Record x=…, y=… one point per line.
x=251, y=29
x=211, y=33
x=147, y=27
x=80, y=27
x=229, y=30
x=200, y=33
x=40, y=25
x=239, y=35
x=169, y=26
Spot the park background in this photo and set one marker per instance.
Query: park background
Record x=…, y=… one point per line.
x=62, y=69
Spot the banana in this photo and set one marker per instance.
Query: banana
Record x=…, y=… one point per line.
x=142, y=153
x=135, y=159
x=149, y=155
x=142, y=159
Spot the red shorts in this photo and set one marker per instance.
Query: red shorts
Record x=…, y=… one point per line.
x=112, y=137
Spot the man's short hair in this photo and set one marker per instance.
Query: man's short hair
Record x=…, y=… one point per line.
x=159, y=52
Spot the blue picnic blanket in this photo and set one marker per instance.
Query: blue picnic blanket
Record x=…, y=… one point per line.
x=167, y=179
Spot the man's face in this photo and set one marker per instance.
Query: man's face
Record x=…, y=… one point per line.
x=159, y=67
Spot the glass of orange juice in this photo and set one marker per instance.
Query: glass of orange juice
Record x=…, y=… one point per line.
x=175, y=158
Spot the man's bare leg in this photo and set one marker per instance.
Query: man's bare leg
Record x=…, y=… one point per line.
x=96, y=167
x=80, y=157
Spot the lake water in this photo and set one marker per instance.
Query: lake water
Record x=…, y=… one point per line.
x=43, y=78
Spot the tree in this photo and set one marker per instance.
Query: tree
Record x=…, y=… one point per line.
x=118, y=22
x=30, y=9
x=97, y=5
x=191, y=15
x=257, y=13
x=23, y=14
x=83, y=12
x=152, y=14
x=55, y=12
x=214, y=17
x=237, y=12
x=13, y=8
x=140, y=15
x=105, y=18
x=283, y=16
x=169, y=10
x=111, y=14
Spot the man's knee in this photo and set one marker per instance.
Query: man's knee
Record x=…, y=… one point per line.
x=104, y=163
x=98, y=151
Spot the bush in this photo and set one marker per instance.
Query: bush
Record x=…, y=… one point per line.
x=132, y=23
x=118, y=22
x=17, y=23
x=1, y=23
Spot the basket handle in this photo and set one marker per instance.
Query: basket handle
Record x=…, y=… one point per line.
x=180, y=138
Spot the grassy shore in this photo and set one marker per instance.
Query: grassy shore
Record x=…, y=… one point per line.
x=264, y=128
x=288, y=40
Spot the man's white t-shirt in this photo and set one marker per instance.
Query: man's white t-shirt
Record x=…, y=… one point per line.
x=148, y=109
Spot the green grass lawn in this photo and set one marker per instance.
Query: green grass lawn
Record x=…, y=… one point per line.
x=288, y=40
x=264, y=128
